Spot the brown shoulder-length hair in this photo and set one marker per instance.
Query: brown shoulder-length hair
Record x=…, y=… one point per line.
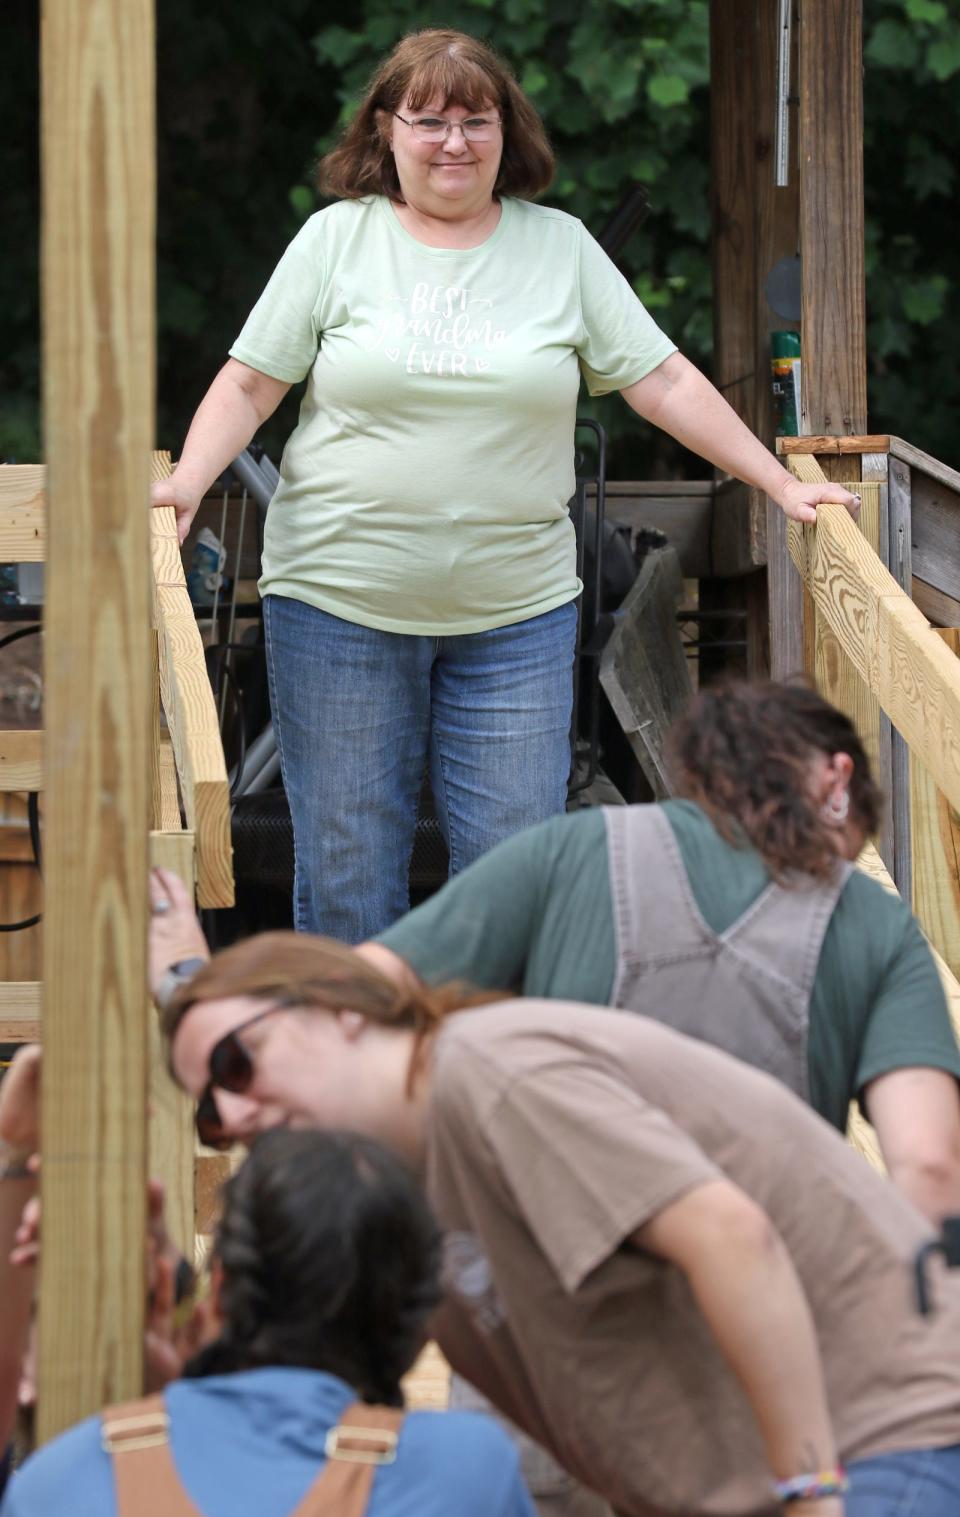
x=742, y=752
x=452, y=68
x=300, y=970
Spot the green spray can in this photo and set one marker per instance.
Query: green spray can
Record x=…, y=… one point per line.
x=785, y=351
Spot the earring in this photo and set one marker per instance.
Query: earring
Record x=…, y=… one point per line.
x=836, y=808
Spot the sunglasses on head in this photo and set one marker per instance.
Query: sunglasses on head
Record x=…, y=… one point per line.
x=230, y=1067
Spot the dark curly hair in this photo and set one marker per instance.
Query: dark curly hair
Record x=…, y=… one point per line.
x=742, y=752
x=330, y=1260
x=455, y=69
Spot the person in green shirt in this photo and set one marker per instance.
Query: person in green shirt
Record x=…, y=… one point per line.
x=772, y=784
x=419, y=562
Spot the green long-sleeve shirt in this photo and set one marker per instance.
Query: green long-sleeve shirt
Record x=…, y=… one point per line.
x=535, y=915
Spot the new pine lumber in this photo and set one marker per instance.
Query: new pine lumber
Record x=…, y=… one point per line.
x=20, y=1010
x=23, y=531
x=837, y=675
x=915, y=677
x=935, y=851
x=98, y=245
x=190, y=710
x=21, y=760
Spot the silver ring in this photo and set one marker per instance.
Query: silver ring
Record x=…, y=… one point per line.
x=159, y=908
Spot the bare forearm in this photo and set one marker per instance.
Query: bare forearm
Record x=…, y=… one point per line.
x=679, y=399
x=235, y=405
x=754, y=1303
x=932, y=1188
x=16, y=1295
x=916, y=1114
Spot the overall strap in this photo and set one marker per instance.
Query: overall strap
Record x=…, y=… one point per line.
x=785, y=927
x=364, y=1438
x=655, y=913
x=137, y=1436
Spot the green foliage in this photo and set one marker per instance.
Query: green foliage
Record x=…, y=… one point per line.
x=249, y=94
x=911, y=125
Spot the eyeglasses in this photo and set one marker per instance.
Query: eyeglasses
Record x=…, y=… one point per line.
x=230, y=1067
x=438, y=128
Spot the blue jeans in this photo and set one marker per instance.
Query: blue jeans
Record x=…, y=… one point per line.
x=360, y=715
x=924, y=1483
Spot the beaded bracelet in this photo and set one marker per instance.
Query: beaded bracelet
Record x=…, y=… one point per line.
x=812, y=1487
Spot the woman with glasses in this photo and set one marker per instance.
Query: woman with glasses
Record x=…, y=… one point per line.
x=326, y=1269
x=658, y=1261
x=419, y=571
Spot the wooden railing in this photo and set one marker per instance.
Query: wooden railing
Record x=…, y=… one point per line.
x=189, y=766
x=191, y=717
x=889, y=642
x=189, y=781
x=875, y=655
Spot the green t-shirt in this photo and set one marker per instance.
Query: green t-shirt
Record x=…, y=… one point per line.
x=425, y=487
x=535, y=915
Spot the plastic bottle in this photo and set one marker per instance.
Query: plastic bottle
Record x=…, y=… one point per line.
x=785, y=362
x=205, y=578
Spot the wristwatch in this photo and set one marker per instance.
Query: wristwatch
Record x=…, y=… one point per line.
x=173, y=977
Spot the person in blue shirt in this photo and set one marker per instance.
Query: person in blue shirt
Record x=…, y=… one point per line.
x=326, y=1270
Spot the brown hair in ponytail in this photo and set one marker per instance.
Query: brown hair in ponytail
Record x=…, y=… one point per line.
x=743, y=752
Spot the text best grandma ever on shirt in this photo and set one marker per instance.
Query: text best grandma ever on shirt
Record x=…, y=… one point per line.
x=425, y=487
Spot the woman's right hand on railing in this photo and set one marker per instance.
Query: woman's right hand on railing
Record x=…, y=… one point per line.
x=185, y=501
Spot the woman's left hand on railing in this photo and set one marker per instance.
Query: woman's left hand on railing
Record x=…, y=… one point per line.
x=799, y=501
x=184, y=497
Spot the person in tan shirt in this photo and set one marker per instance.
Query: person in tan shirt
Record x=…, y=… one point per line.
x=659, y=1262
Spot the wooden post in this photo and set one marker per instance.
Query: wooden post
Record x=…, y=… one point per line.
x=777, y=231
x=98, y=361
x=833, y=329
x=833, y=325
x=736, y=164
x=733, y=199
x=833, y=341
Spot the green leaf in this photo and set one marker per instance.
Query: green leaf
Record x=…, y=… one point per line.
x=654, y=298
x=926, y=10
x=930, y=173
x=303, y=200
x=668, y=89
x=923, y=301
x=892, y=45
x=337, y=45
x=534, y=79
x=943, y=57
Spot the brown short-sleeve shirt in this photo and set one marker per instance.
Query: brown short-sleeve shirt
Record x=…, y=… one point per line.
x=555, y=1132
